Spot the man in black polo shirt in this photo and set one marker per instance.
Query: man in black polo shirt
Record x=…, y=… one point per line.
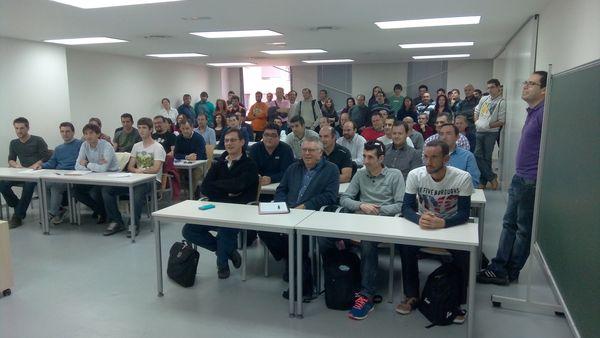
x=271, y=156
x=337, y=154
x=163, y=135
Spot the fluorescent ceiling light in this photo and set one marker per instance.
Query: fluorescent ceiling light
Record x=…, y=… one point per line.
x=85, y=41
x=236, y=34
x=293, y=51
x=436, y=44
x=231, y=64
x=177, y=55
x=329, y=61
x=448, y=56
x=462, y=20
x=87, y=4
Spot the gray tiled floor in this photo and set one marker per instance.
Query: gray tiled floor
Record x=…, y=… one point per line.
x=76, y=283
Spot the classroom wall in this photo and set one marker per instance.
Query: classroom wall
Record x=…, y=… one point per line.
x=385, y=75
x=34, y=85
x=476, y=72
x=304, y=77
x=106, y=86
x=569, y=34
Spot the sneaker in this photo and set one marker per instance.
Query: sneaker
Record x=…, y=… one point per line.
x=15, y=222
x=489, y=277
x=362, y=307
x=236, y=259
x=60, y=217
x=223, y=273
x=407, y=305
x=113, y=228
x=461, y=316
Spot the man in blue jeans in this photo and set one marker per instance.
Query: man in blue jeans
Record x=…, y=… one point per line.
x=232, y=178
x=515, y=239
x=374, y=190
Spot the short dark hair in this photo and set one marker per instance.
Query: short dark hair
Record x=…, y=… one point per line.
x=164, y=119
x=398, y=86
x=230, y=92
x=376, y=113
x=403, y=124
x=259, y=92
x=272, y=126
x=97, y=120
x=91, y=127
x=237, y=131
x=127, y=116
x=441, y=144
x=456, y=131
x=188, y=95
x=186, y=121
x=378, y=146
x=447, y=115
x=67, y=124
x=164, y=98
x=202, y=114
x=323, y=91
x=277, y=118
x=307, y=89
x=21, y=120
x=235, y=97
x=495, y=82
x=543, y=77
x=353, y=124
x=456, y=90
x=145, y=121
x=479, y=91
x=297, y=118
x=441, y=89
x=204, y=94
x=424, y=86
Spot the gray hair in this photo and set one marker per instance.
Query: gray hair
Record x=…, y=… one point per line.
x=310, y=138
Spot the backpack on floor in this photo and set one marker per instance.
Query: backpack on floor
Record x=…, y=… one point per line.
x=440, y=298
x=183, y=262
x=342, y=279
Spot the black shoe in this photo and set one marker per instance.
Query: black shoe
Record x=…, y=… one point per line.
x=223, y=273
x=307, y=296
x=236, y=259
x=137, y=231
x=490, y=277
x=113, y=228
x=101, y=219
x=15, y=222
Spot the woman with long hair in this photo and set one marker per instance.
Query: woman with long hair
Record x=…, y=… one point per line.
x=220, y=108
x=373, y=99
x=350, y=102
x=329, y=112
x=219, y=124
x=407, y=109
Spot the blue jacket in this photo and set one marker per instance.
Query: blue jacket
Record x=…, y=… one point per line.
x=465, y=160
x=64, y=157
x=185, y=146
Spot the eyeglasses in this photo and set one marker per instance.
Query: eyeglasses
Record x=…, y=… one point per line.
x=530, y=84
x=310, y=150
x=270, y=135
x=230, y=140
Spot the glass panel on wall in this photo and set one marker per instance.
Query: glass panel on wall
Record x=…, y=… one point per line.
x=264, y=79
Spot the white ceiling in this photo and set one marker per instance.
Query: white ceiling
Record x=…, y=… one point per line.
x=354, y=35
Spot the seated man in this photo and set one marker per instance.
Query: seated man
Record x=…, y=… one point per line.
x=337, y=154
x=210, y=137
x=353, y=142
x=190, y=146
x=376, y=129
x=387, y=129
x=460, y=121
x=147, y=157
x=163, y=135
x=444, y=200
x=398, y=154
x=310, y=183
x=31, y=151
x=299, y=132
x=232, y=178
x=459, y=158
x=374, y=190
x=233, y=121
x=442, y=119
x=63, y=158
x=415, y=137
x=98, y=156
x=271, y=156
x=127, y=136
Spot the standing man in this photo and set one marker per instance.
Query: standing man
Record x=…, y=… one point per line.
x=31, y=151
x=233, y=121
x=428, y=107
x=360, y=112
x=232, y=178
x=445, y=118
x=203, y=129
x=489, y=118
x=205, y=106
x=299, y=132
x=399, y=154
x=376, y=129
x=186, y=108
x=63, y=158
x=163, y=135
x=437, y=196
x=166, y=110
x=308, y=109
x=459, y=158
x=236, y=107
x=147, y=157
x=422, y=90
x=258, y=115
x=353, y=142
x=396, y=100
x=375, y=190
x=282, y=105
x=415, y=137
x=336, y=154
x=460, y=121
x=271, y=156
x=467, y=106
x=126, y=137
x=515, y=239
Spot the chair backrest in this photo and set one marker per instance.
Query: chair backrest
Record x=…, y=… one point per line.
x=209, y=155
x=258, y=190
x=122, y=159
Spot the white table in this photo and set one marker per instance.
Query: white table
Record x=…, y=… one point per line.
x=395, y=230
x=270, y=189
x=190, y=166
x=230, y=216
x=478, y=202
x=23, y=175
x=103, y=179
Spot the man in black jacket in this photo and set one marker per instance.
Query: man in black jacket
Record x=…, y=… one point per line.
x=232, y=178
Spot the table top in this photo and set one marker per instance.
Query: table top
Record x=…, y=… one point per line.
x=239, y=216
x=389, y=229
x=182, y=164
x=478, y=197
x=106, y=178
x=269, y=189
x=23, y=174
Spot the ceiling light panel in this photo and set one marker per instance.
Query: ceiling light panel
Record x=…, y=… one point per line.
x=436, y=44
x=462, y=20
x=447, y=56
x=236, y=34
x=85, y=41
x=89, y=4
x=293, y=51
x=177, y=55
x=329, y=61
x=231, y=64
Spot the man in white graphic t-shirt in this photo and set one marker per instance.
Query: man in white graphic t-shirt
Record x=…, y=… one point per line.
x=436, y=196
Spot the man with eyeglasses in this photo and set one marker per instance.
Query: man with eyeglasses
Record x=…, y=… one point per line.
x=489, y=119
x=232, y=178
x=233, y=121
x=374, y=190
x=442, y=119
x=271, y=156
x=515, y=239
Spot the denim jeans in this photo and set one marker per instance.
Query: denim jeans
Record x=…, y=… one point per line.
x=110, y=195
x=91, y=196
x=369, y=263
x=410, y=270
x=484, y=148
x=223, y=244
x=515, y=239
x=20, y=204
x=55, y=192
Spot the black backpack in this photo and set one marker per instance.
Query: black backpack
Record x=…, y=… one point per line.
x=440, y=298
x=342, y=279
x=183, y=262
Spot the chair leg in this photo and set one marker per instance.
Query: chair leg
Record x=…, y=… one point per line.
x=391, y=274
x=244, y=253
x=266, y=258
